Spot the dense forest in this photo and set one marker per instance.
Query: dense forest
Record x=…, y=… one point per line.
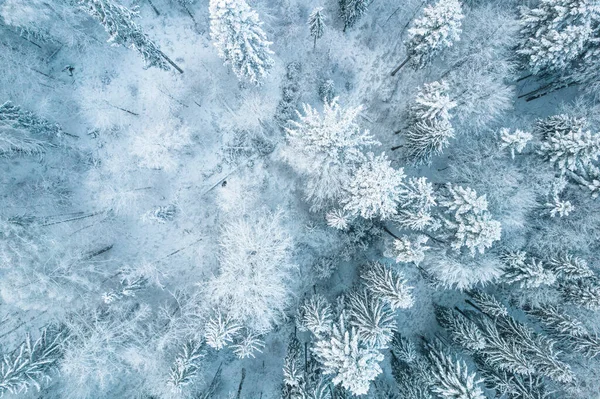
x=300, y=199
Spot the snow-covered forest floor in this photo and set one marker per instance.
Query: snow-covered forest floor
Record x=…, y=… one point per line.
x=116, y=232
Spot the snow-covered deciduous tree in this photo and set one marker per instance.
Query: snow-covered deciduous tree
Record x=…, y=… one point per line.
x=30, y=365
x=316, y=24
x=405, y=249
x=429, y=129
x=387, y=285
x=515, y=142
x=471, y=225
x=374, y=189
x=556, y=32
x=220, y=330
x=118, y=21
x=256, y=259
x=451, y=377
x=186, y=366
x=240, y=40
x=352, y=362
x=438, y=28
x=326, y=147
x=372, y=317
x=352, y=10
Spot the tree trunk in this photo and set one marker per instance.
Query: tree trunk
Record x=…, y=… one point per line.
x=396, y=147
x=395, y=71
x=174, y=65
x=535, y=91
x=154, y=8
x=239, y=392
x=390, y=233
x=524, y=77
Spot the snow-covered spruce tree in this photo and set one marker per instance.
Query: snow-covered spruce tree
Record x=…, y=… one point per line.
x=569, y=331
x=429, y=129
x=241, y=42
x=326, y=147
x=256, y=259
x=352, y=10
x=315, y=315
x=316, y=24
x=118, y=21
x=437, y=29
x=31, y=364
x=373, y=319
x=450, y=377
x=388, y=285
x=345, y=355
x=186, y=366
x=468, y=221
x=556, y=32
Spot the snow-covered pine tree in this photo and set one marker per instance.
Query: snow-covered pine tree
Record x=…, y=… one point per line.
x=463, y=331
x=528, y=274
x=186, y=366
x=515, y=142
x=315, y=315
x=569, y=267
x=374, y=189
x=292, y=365
x=572, y=150
x=438, y=28
x=405, y=249
x=416, y=201
x=567, y=329
x=30, y=365
x=352, y=362
x=247, y=345
x=326, y=147
x=352, y=10
x=316, y=23
x=118, y=21
x=387, y=285
x=450, y=377
x=220, y=330
x=373, y=319
x=240, y=40
x=429, y=129
x=14, y=117
x=583, y=292
x=470, y=224
x=555, y=33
